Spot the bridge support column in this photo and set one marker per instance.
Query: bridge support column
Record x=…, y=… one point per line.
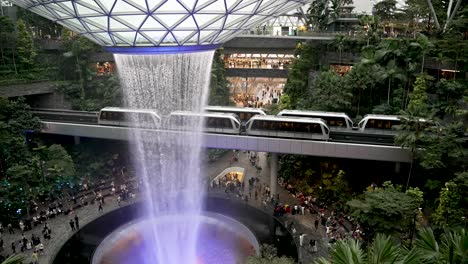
x=273, y=174
x=77, y=140
x=397, y=167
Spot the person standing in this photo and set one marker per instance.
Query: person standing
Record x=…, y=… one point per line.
x=72, y=225
x=13, y=247
x=34, y=257
x=100, y=207
x=316, y=224
x=10, y=229
x=313, y=245
x=77, y=222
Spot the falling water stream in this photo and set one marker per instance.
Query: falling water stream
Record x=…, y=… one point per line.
x=168, y=165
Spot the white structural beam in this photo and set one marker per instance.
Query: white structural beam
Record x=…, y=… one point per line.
x=243, y=142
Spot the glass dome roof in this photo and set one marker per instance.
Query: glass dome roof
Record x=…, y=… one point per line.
x=131, y=23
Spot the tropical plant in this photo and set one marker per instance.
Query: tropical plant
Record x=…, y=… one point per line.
x=424, y=44
x=383, y=250
x=14, y=259
x=385, y=9
x=219, y=91
x=451, y=248
x=385, y=210
x=449, y=212
x=391, y=73
x=307, y=58
x=415, y=120
x=269, y=255
x=328, y=93
x=318, y=14
x=24, y=46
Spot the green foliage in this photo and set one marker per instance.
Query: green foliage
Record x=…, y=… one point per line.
x=449, y=211
x=75, y=63
x=14, y=259
x=276, y=260
x=42, y=27
x=318, y=14
x=297, y=85
x=329, y=93
x=369, y=29
x=219, y=92
x=361, y=81
x=102, y=91
x=449, y=95
x=418, y=99
x=309, y=175
x=7, y=36
x=269, y=255
x=24, y=46
x=384, y=249
x=59, y=167
x=444, y=152
x=386, y=210
x=450, y=248
x=385, y=9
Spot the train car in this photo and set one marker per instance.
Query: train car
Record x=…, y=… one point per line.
x=65, y=115
x=244, y=113
x=288, y=127
x=223, y=123
x=334, y=120
x=126, y=117
x=379, y=123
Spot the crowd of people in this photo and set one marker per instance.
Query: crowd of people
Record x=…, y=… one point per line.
x=337, y=224
x=39, y=216
x=21, y=243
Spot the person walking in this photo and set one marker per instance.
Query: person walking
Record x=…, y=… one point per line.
x=301, y=239
x=316, y=224
x=13, y=247
x=72, y=225
x=10, y=229
x=77, y=222
x=100, y=207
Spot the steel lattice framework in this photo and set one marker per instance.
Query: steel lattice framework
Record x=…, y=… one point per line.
x=131, y=23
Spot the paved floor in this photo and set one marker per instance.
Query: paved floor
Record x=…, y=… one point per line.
x=304, y=223
x=61, y=230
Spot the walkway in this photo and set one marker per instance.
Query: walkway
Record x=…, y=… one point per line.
x=61, y=230
x=304, y=223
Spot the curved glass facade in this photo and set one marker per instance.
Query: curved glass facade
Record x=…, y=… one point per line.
x=131, y=23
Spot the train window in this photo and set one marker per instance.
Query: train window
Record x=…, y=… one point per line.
x=103, y=115
x=382, y=124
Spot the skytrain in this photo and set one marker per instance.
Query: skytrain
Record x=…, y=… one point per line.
x=315, y=125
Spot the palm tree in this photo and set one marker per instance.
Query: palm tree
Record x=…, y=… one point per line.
x=339, y=43
x=347, y=251
x=383, y=250
x=14, y=259
x=424, y=44
x=451, y=249
x=392, y=72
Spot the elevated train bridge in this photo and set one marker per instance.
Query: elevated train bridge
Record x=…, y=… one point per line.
x=343, y=144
